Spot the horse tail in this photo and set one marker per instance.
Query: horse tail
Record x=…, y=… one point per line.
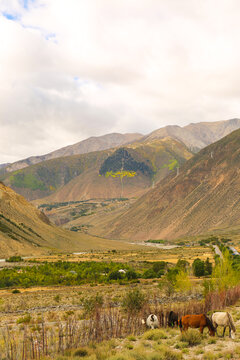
x=180, y=323
x=170, y=318
x=231, y=322
x=209, y=323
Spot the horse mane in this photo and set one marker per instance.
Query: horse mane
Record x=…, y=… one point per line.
x=231, y=322
x=209, y=323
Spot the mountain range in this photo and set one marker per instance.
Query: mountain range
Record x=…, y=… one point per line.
x=94, y=143
x=204, y=196
x=126, y=171
x=68, y=177
x=178, y=193
x=195, y=136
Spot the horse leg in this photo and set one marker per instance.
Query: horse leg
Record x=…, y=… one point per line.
x=224, y=329
x=229, y=331
x=216, y=326
x=201, y=329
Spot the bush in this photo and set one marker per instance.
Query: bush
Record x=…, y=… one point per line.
x=24, y=319
x=154, y=335
x=149, y=274
x=171, y=355
x=115, y=275
x=16, y=291
x=14, y=259
x=166, y=286
x=191, y=336
x=134, y=301
x=80, y=353
x=57, y=298
x=92, y=304
x=131, y=274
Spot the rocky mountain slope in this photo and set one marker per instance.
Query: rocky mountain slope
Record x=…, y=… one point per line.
x=94, y=143
x=24, y=230
x=196, y=135
x=123, y=172
x=204, y=196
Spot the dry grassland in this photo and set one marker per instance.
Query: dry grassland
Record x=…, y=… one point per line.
x=151, y=255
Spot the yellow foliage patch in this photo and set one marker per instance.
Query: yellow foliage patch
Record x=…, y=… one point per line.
x=120, y=174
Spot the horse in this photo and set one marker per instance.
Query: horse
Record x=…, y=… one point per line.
x=172, y=319
x=196, y=321
x=152, y=321
x=224, y=319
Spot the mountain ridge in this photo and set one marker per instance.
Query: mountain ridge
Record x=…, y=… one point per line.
x=78, y=177
x=194, y=135
x=203, y=197
x=91, y=144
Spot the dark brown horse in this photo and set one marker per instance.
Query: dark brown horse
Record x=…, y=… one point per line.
x=172, y=319
x=196, y=321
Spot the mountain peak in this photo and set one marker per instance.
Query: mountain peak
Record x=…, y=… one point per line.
x=203, y=196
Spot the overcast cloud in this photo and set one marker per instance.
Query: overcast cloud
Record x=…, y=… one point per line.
x=70, y=69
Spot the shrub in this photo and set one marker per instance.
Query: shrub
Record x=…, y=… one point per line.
x=154, y=335
x=14, y=259
x=210, y=356
x=149, y=274
x=80, y=353
x=131, y=274
x=132, y=338
x=166, y=286
x=192, y=337
x=134, y=301
x=24, y=319
x=93, y=303
x=115, y=275
x=171, y=355
x=57, y=298
x=16, y=291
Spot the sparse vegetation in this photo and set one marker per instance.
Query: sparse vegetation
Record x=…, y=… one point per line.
x=14, y=259
x=191, y=337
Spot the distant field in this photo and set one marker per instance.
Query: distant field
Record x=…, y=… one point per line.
x=137, y=255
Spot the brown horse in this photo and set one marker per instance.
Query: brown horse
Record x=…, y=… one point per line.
x=196, y=321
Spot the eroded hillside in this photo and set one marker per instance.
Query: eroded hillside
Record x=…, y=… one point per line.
x=204, y=196
x=124, y=172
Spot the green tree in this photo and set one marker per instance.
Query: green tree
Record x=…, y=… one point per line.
x=208, y=267
x=182, y=264
x=198, y=267
x=224, y=275
x=182, y=282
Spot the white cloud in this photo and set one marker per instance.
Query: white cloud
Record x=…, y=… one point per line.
x=75, y=68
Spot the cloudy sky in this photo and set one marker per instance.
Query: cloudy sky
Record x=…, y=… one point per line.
x=70, y=69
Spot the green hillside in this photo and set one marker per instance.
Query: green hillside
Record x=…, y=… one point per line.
x=145, y=163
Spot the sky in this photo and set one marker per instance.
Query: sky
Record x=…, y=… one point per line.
x=71, y=69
